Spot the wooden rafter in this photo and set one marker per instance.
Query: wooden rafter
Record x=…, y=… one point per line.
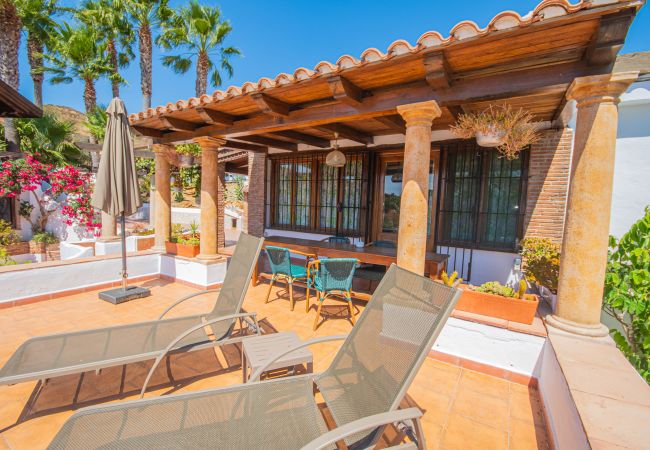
x=395, y=123
x=215, y=117
x=270, y=105
x=174, y=124
x=345, y=91
x=609, y=38
x=297, y=137
x=235, y=145
x=270, y=142
x=437, y=72
x=531, y=81
x=150, y=132
x=347, y=132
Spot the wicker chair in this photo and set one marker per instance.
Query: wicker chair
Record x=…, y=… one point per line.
x=283, y=269
x=330, y=277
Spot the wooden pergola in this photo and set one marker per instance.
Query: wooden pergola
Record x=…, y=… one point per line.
x=557, y=53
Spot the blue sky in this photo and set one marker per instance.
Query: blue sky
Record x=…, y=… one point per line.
x=282, y=35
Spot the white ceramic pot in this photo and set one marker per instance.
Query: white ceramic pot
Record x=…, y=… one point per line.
x=492, y=138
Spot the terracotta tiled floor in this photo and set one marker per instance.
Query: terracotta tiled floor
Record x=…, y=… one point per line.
x=463, y=409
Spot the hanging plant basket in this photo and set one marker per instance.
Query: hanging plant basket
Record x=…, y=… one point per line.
x=501, y=127
x=182, y=160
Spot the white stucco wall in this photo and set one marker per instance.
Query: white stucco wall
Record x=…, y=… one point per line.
x=632, y=169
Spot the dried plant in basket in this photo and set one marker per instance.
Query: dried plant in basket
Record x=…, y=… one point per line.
x=506, y=129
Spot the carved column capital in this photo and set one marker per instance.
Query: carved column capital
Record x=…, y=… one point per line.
x=600, y=88
x=422, y=113
x=209, y=143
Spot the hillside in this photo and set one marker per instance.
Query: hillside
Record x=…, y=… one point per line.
x=69, y=115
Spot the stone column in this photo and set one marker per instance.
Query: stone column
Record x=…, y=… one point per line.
x=210, y=191
x=412, y=234
x=586, y=230
x=109, y=228
x=162, y=199
x=254, y=202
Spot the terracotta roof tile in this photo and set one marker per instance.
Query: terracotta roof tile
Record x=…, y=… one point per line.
x=547, y=9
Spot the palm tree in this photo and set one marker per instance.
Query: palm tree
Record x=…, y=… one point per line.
x=37, y=19
x=10, y=26
x=108, y=18
x=96, y=122
x=51, y=138
x=145, y=15
x=202, y=32
x=77, y=54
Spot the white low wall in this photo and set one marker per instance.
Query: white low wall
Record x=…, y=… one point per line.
x=52, y=278
x=192, y=271
x=73, y=251
x=497, y=347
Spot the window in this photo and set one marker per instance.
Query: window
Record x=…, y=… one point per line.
x=7, y=210
x=482, y=198
x=308, y=195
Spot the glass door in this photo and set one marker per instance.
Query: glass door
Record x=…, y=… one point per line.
x=389, y=190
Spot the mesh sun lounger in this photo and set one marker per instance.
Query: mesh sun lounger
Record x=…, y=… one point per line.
x=362, y=389
x=46, y=357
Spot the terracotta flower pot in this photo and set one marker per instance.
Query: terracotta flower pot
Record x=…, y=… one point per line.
x=507, y=308
x=184, y=250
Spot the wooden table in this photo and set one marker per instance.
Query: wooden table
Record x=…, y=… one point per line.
x=434, y=263
x=258, y=350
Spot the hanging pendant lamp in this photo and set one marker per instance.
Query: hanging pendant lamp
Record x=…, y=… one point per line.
x=335, y=158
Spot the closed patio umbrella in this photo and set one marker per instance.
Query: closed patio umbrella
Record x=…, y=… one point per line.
x=116, y=188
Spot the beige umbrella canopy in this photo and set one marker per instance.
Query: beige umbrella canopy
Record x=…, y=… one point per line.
x=116, y=189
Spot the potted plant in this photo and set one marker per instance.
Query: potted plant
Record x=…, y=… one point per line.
x=495, y=300
x=46, y=243
x=502, y=127
x=541, y=266
x=184, y=155
x=182, y=243
x=144, y=237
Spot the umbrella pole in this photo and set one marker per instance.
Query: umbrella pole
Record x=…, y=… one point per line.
x=123, y=228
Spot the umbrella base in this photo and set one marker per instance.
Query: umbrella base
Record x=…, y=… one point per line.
x=119, y=295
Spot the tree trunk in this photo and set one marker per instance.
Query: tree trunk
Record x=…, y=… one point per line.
x=34, y=49
x=202, y=68
x=10, y=26
x=112, y=55
x=145, y=64
x=90, y=95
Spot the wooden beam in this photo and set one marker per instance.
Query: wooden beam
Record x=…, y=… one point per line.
x=610, y=37
x=245, y=146
x=215, y=117
x=270, y=142
x=456, y=110
x=178, y=124
x=231, y=168
x=270, y=105
x=345, y=91
x=437, y=71
x=395, y=123
x=150, y=132
x=551, y=79
x=303, y=138
x=563, y=114
x=347, y=132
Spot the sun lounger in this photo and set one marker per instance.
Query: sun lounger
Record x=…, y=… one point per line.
x=44, y=357
x=362, y=389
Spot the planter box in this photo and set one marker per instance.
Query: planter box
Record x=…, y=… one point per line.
x=51, y=251
x=512, y=309
x=187, y=251
x=144, y=243
x=19, y=248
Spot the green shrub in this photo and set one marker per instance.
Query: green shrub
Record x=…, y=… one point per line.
x=5, y=260
x=627, y=293
x=45, y=238
x=541, y=262
x=188, y=149
x=496, y=288
x=8, y=235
